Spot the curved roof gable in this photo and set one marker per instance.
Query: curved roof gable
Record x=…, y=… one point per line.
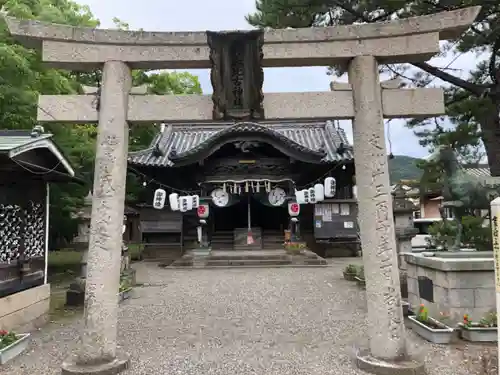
x=318, y=141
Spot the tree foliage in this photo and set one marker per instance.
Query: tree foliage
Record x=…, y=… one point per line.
x=475, y=234
x=23, y=77
x=473, y=102
x=403, y=167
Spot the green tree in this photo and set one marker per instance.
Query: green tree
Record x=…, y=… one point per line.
x=475, y=234
x=23, y=77
x=473, y=103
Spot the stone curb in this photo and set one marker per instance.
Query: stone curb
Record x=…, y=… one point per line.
x=114, y=367
x=409, y=366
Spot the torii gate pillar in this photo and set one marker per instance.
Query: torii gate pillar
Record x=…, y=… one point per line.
x=386, y=328
x=97, y=352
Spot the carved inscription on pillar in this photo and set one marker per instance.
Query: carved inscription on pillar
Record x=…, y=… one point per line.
x=376, y=216
x=237, y=75
x=383, y=227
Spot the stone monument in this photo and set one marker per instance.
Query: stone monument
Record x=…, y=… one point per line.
x=360, y=48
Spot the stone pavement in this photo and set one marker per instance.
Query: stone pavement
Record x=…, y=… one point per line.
x=265, y=321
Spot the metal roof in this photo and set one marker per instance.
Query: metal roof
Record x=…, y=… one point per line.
x=182, y=138
x=12, y=139
x=17, y=142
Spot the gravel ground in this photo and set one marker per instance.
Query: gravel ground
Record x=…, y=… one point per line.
x=240, y=321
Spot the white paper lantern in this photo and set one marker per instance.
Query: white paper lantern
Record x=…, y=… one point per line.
x=330, y=187
x=312, y=195
x=159, y=199
x=196, y=201
x=306, y=196
x=183, y=202
x=173, y=200
x=299, y=197
x=189, y=202
x=319, y=190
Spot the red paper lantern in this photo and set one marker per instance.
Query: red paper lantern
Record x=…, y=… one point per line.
x=202, y=211
x=293, y=209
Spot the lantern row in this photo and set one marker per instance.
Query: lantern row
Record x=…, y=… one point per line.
x=183, y=204
x=317, y=193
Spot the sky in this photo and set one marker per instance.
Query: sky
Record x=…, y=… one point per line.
x=201, y=15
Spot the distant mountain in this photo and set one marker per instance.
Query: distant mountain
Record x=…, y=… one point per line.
x=404, y=168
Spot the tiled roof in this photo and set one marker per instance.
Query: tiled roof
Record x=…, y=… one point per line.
x=182, y=138
x=481, y=170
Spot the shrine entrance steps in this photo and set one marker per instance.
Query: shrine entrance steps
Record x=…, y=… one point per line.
x=247, y=258
x=264, y=239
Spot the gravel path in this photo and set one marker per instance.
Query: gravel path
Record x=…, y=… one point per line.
x=266, y=321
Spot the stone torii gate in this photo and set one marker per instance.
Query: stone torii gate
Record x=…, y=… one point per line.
x=360, y=48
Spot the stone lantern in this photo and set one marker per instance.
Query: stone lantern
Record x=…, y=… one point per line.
x=403, y=210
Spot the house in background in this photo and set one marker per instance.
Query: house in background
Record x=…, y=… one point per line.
x=431, y=202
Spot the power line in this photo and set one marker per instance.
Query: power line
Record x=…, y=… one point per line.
x=149, y=180
x=46, y=170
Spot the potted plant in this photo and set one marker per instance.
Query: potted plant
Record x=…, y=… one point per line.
x=429, y=328
x=11, y=345
x=483, y=331
x=350, y=272
x=360, y=277
x=294, y=247
x=125, y=289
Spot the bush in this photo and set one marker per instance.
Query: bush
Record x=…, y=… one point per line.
x=351, y=269
x=63, y=260
x=474, y=235
x=135, y=251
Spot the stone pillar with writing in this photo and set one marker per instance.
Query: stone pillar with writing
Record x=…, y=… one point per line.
x=97, y=349
x=387, y=351
x=495, y=217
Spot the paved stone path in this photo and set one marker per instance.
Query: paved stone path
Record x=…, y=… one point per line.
x=266, y=321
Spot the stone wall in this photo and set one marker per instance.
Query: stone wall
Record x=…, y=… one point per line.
x=452, y=283
x=26, y=310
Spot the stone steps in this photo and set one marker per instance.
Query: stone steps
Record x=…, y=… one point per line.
x=251, y=257
x=223, y=240
x=255, y=247
x=248, y=262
